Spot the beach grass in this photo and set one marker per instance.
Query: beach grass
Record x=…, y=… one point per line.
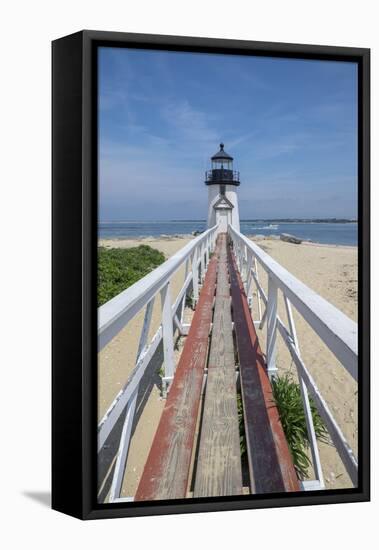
x=287, y=397
x=119, y=268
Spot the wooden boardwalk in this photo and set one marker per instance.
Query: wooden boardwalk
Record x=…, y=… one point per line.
x=218, y=470
x=167, y=468
x=216, y=451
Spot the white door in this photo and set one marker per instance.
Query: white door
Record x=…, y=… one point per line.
x=222, y=216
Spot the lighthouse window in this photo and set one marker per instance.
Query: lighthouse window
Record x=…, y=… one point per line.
x=222, y=189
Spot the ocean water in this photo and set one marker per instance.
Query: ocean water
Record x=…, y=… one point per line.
x=325, y=233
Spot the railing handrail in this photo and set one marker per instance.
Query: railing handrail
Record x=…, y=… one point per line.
x=115, y=314
x=336, y=330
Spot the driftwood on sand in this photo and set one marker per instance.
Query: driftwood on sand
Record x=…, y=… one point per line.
x=290, y=238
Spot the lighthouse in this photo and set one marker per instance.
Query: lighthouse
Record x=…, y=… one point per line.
x=222, y=182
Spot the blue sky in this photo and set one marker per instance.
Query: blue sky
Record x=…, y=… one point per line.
x=291, y=126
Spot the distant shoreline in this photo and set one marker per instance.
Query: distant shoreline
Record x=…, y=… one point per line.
x=314, y=231
x=171, y=238
x=247, y=220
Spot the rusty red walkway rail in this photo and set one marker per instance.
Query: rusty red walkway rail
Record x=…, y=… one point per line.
x=270, y=463
x=167, y=469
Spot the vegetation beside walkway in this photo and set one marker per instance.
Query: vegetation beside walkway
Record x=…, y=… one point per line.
x=119, y=268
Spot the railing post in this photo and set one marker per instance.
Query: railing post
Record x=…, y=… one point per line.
x=123, y=450
x=240, y=255
x=306, y=403
x=244, y=263
x=126, y=434
x=168, y=338
x=236, y=253
x=195, y=276
x=271, y=308
x=258, y=294
x=207, y=252
x=183, y=305
x=202, y=269
x=145, y=328
x=249, y=278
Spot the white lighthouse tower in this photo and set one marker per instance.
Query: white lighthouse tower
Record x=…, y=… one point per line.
x=222, y=182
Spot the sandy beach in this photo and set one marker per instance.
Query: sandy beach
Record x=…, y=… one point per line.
x=329, y=270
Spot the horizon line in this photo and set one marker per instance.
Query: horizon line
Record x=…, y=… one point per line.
x=294, y=218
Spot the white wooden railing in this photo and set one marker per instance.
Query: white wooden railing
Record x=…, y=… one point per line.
x=335, y=329
x=118, y=312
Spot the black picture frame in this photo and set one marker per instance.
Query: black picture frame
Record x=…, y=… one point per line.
x=74, y=333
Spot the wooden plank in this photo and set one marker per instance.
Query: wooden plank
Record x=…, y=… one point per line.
x=218, y=469
x=166, y=472
x=270, y=462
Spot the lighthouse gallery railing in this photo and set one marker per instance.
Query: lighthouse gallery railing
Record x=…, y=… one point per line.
x=335, y=329
x=116, y=314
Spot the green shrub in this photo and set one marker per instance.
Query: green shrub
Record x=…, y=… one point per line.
x=287, y=396
x=119, y=268
x=190, y=301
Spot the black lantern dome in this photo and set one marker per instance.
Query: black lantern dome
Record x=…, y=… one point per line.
x=222, y=155
x=222, y=169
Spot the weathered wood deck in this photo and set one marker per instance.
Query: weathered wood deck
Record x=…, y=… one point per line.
x=218, y=467
x=167, y=468
x=270, y=463
x=216, y=451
